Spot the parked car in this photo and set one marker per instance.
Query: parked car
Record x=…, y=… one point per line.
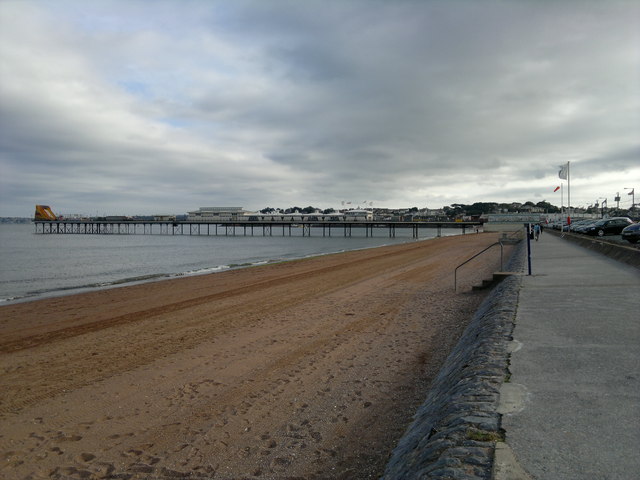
x=608, y=226
x=582, y=228
x=580, y=224
x=631, y=233
x=556, y=225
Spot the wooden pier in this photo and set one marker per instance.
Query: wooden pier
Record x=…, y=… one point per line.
x=248, y=228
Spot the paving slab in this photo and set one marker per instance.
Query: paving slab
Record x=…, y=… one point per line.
x=576, y=370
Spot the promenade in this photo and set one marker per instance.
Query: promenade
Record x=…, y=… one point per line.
x=571, y=409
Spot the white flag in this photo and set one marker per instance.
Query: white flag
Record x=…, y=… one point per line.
x=563, y=171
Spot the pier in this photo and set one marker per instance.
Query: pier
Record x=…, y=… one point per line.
x=240, y=228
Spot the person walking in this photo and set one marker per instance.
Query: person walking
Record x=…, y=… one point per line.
x=536, y=231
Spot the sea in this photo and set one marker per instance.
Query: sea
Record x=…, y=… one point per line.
x=35, y=265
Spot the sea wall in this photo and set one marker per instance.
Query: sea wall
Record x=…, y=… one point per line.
x=454, y=432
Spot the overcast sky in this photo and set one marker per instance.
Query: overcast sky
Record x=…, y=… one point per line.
x=143, y=107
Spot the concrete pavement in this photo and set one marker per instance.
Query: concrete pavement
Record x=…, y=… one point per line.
x=571, y=408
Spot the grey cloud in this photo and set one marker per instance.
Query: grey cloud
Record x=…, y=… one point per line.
x=621, y=161
x=404, y=101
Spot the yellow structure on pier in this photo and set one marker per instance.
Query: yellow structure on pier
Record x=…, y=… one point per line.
x=43, y=212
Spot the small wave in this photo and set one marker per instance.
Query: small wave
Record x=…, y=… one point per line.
x=70, y=290
x=141, y=278
x=220, y=268
x=200, y=271
x=10, y=299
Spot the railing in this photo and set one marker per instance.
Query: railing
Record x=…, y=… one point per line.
x=455, y=272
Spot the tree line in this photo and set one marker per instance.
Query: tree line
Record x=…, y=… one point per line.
x=290, y=210
x=477, y=208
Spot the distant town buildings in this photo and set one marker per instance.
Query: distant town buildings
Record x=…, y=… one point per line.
x=478, y=211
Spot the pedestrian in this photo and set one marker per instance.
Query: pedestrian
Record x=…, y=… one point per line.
x=536, y=231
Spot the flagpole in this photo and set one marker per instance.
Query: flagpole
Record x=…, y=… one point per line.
x=569, y=192
x=564, y=174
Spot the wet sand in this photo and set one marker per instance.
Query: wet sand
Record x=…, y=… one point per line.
x=304, y=369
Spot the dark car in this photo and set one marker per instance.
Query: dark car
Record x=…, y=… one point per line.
x=578, y=225
x=582, y=228
x=631, y=233
x=608, y=226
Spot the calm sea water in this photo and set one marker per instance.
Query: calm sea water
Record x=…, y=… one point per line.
x=35, y=265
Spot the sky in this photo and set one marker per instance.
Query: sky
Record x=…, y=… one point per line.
x=128, y=107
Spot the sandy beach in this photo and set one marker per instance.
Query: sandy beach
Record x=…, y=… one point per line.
x=307, y=369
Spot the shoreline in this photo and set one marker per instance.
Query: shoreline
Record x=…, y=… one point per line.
x=157, y=277
x=309, y=368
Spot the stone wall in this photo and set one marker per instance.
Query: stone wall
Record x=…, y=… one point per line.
x=454, y=432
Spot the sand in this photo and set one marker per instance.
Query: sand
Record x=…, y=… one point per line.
x=304, y=369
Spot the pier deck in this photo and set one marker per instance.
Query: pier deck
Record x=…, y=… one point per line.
x=249, y=228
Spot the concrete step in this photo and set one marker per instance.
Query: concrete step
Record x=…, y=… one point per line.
x=496, y=279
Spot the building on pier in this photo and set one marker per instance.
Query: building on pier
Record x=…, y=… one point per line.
x=358, y=215
x=217, y=214
x=164, y=218
x=238, y=214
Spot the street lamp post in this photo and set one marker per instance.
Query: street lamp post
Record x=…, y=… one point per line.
x=601, y=205
x=633, y=196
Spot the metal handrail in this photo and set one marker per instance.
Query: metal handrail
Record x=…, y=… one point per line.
x=455, y=272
